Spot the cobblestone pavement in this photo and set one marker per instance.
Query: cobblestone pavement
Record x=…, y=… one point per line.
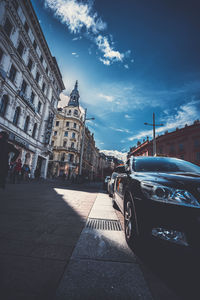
x=40, y=224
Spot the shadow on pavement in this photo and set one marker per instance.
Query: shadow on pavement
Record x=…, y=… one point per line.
x=38, y=232
x=176, y=267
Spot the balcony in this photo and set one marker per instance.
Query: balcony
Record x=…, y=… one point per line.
x=26, y=100
x=71, y=149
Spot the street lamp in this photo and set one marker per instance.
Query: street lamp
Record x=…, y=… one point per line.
x=82, y=144
x=154, y=133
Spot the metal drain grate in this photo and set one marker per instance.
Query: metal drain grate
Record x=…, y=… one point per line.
x=104, y=224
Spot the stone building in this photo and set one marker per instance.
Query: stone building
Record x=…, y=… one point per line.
x=66, y=139
x=90, y=164
x=183, y=143
x=30, y=83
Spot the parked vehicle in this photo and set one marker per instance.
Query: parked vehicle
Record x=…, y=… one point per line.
x=159, y=197
x=111, y=184
x=105, y=182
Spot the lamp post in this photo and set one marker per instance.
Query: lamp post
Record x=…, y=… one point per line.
x=154, y=133
x=82, y=143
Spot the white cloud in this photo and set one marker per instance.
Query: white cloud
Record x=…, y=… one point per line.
x=64, y=100
x=77, y=38
x=75, y=54
x=185, y=114
x=126, y=66
x=128, y=117
x=79, y=17
x=107, y=97
x=120, y=155
x=120, y=129
x=76, y=15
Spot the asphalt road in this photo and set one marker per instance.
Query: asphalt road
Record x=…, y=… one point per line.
x=47, y=253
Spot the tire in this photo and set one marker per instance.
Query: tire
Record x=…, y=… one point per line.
x=130, y=223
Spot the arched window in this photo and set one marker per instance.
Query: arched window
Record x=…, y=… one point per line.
x=3, y=105
x=16, y=116
x=70, y=157
x=26, y=124
x=34, y=130
x=63, y=157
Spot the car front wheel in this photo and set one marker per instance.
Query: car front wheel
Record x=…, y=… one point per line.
x=130, y=223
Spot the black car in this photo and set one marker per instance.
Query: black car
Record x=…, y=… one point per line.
x=111, y=183
x=159, y=197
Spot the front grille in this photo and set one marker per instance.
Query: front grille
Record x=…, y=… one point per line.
x=103, y=224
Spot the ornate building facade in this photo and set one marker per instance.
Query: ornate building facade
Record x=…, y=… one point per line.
x=66, y=139
x=30, y=83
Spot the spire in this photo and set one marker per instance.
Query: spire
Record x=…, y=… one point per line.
x=74, y=96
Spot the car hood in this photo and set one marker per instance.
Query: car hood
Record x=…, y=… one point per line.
x=178, y=179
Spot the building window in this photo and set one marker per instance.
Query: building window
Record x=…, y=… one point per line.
x=26, y=27
x=43, y=86
x=69, y=112
x=12, y=73
x=181, y=147
x=197, y=143
x=67, y=124
x=32, y=97
x=57, y=123
x=34, y=130
x=41, y=58
x=66, y=133
x=172, y=149
x=30, y=64
x=47, y=70
x=3, y=105
x=73, y=135
x=26, y=124
x=76, y=112
x=71, y=157
x=23, y=87
x=64, y=144
x=160, y=150
x=74, y=125
x=15, y=4
x=39, y=107
x=72, y=144
x=55, y=133
x=8, y=27
x=34, y=44
x=52, y=143
x=198, y=156
x=20, y=48
x=63, y=157
x=1, y=54
x=37, y=77
x=16, y=116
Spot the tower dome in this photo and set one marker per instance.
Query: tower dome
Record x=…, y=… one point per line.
x=74, y=96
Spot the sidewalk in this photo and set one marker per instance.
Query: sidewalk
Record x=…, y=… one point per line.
x=61, y=242
x=40, y=224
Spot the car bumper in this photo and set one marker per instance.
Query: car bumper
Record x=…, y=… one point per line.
x=172, y=223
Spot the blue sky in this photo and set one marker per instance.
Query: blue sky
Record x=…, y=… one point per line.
x=131, y=58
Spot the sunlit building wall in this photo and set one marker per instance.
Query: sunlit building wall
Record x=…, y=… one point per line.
x=30, y=83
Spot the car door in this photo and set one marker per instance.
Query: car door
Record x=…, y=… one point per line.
x=120, y=184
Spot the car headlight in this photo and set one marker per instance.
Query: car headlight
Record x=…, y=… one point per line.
x=169, y=195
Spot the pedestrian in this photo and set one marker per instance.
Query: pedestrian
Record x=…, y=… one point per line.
x=25, y=172
x=17, y=173
x=37, y=173
x=5, y=149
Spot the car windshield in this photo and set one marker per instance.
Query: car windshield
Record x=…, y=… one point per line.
x=157, y=164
